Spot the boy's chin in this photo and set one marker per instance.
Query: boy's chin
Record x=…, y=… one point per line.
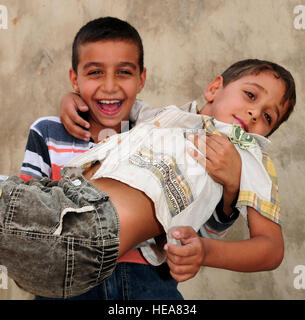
x=112, y=126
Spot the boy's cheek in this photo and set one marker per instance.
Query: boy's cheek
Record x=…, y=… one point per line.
x=86, y=90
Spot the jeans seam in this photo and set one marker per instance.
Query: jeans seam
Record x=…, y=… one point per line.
x=124, y=281
x=70, y=261
x=33, y=235
x=104, y=285
x=14, y=196
x=103, y=251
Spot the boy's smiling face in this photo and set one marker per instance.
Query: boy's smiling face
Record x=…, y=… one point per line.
x=253, y=101
x=108, y=79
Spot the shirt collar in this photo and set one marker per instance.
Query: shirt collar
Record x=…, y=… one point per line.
x=200, y=103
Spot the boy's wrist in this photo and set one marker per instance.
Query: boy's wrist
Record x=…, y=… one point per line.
x=205, y=249
x=230, y=195
x=229, y=214
x=231, y=189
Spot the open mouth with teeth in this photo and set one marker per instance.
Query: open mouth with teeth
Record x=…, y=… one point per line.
x=109, y=107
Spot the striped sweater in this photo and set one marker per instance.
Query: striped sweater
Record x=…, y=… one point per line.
x=49, y=148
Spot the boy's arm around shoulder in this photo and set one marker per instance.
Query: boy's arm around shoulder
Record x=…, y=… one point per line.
x=263, y=251
x=76, y=126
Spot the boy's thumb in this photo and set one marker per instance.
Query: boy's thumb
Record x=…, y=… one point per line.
x=182, y=233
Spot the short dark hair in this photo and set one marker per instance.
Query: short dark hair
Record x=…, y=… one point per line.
x=256, y=66
x=107, y=28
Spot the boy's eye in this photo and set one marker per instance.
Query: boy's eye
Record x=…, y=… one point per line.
x=125, y=72
x=94, y=72
x=267, y=117
x=250, y=95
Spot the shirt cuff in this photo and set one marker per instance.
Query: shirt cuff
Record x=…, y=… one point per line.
x=224, y=218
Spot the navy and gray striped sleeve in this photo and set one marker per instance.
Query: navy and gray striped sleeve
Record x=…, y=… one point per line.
x=219, y=222
x=36, y=161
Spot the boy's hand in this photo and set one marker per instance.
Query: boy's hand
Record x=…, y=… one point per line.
x=185, y=260
x=69, y=105
x=222, y=162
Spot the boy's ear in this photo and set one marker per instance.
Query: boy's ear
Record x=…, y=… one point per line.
x=213, y=87
x=73, y=80
x=142, y=80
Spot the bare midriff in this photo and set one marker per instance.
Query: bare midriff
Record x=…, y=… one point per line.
x=135, y=209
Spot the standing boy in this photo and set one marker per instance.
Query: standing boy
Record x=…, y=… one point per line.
x=107, y=60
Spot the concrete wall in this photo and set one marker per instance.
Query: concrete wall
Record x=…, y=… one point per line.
x=187, y=43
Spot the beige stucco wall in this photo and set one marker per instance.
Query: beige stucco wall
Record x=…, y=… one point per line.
x=187, y=43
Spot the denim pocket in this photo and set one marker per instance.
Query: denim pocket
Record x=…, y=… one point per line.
x=31, y=209
x=69, y=211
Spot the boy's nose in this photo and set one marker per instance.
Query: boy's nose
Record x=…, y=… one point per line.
x=109, y=84
x=252, y=115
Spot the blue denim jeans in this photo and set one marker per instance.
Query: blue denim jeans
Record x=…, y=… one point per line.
x=133, y=281
x=57, y=238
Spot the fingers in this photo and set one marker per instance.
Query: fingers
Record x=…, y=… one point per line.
x=77, y=119
x=221, y=159
x=207, y=144
x=83, y=108
x=207, y=153
x=70, y=105
x=76, y=131
x=190, y=243
x=200, y=143
x=216, y=145
x=184, y=260
x=182, y=274
x=184, y=234
x=179, y=253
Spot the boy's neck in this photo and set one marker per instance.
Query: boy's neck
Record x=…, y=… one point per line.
x=204, y=110
x=100, y=132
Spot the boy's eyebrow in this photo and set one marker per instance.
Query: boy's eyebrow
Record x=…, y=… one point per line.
x=258, y=86
x=92, y=64
x=99, y=64
x=277, y=111
x=128, y=64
